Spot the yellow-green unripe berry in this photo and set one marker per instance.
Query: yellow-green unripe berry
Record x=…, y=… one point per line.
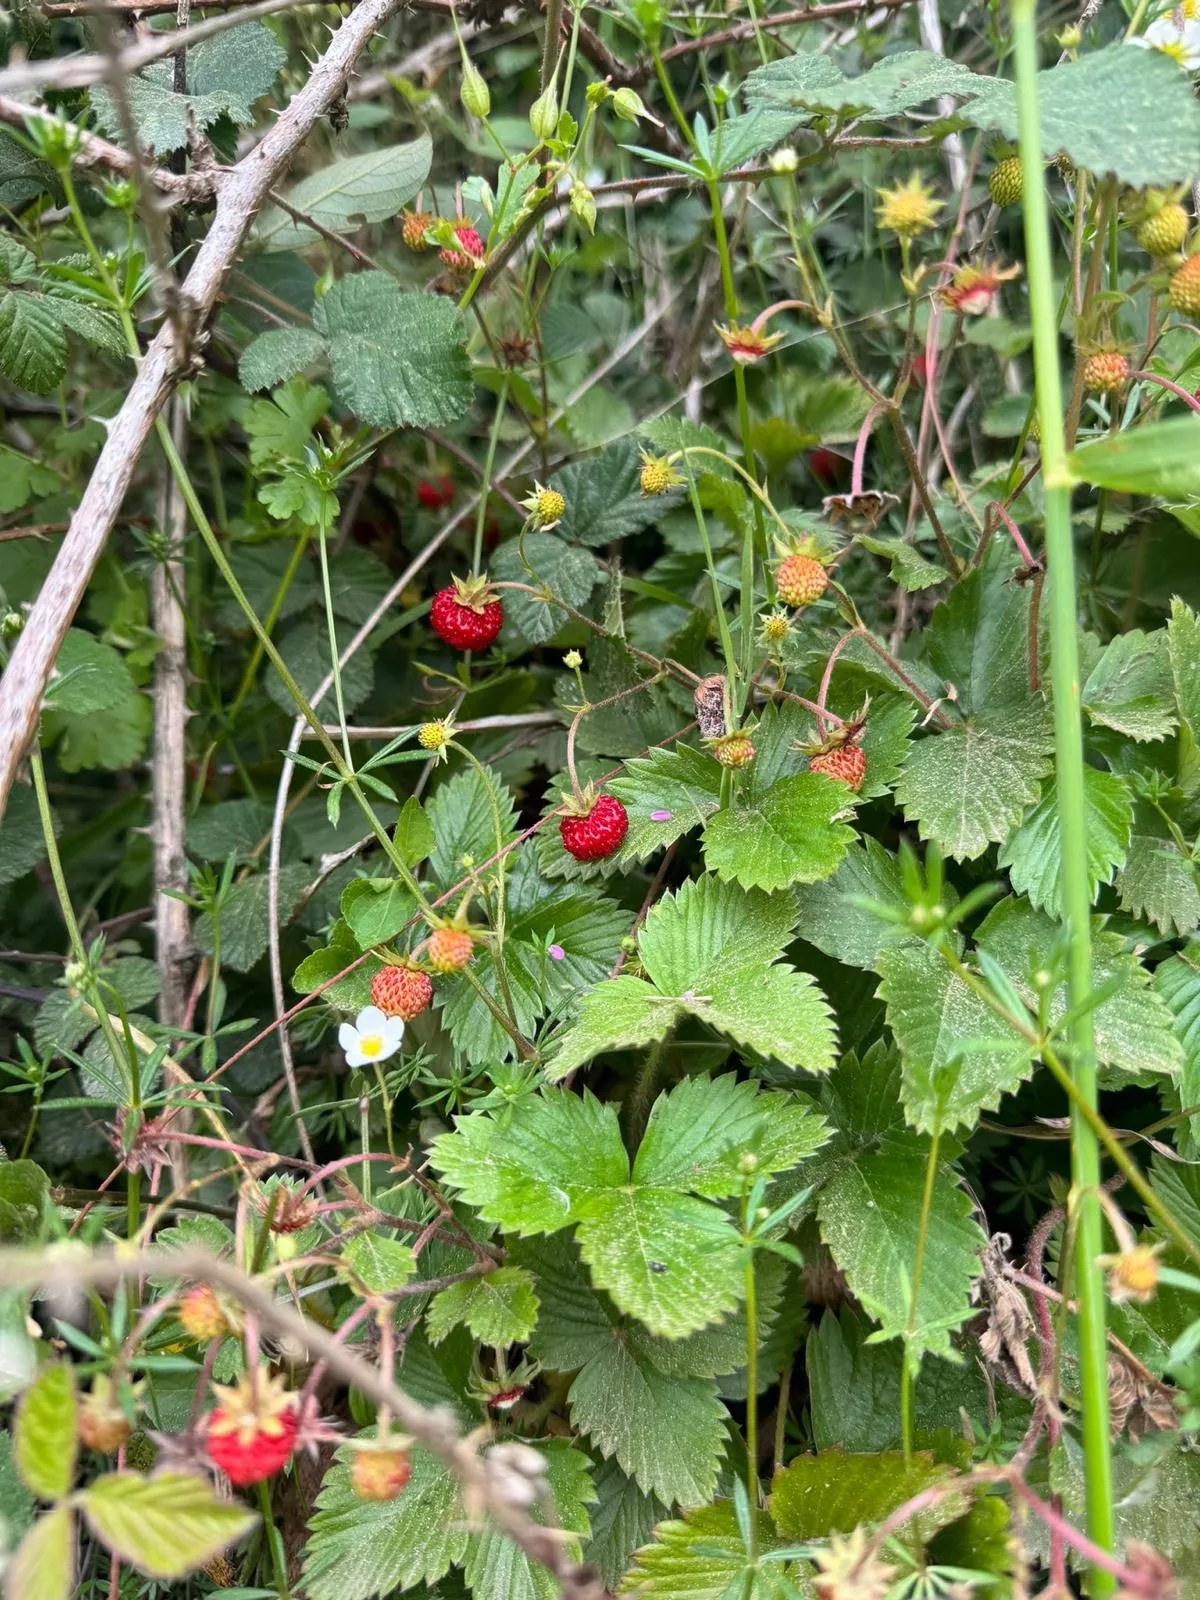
x=543, y=114
x=474, y=94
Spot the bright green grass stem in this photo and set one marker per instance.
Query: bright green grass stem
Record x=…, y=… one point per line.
x=1068, y=734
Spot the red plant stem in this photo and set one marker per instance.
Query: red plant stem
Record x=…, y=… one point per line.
x=860, y=447
x=823, y=691
x=1018, y=538
x=1166, y=383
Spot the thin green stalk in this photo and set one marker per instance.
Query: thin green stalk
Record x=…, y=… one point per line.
x=907, y=1372
x=274, y=1541
x=751, y=1400
x=269, y=621
x=331, y=628
x=731, y=667
x=79, y=956
x=759, y=541
x=1068, y=738
x=485, y=484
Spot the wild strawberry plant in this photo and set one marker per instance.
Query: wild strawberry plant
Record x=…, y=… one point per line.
x=601, y=959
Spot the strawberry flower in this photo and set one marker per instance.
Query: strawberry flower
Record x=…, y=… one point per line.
x=972, y=290
x=370, y=1037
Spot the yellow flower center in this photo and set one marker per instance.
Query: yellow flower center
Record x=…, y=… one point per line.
x=371, y=1044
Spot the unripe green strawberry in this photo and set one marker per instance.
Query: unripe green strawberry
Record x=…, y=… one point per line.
x=1005, y=181
x=1105, y=372
x=1164, y=232
x=800, y=580
x=1184, y=290
x=202, y=1315
x=449, y=949
x=733, y=750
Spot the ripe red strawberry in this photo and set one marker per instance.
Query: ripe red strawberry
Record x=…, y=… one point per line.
x=466, y=615
x=827, y=465
x=202, y=1314
x=733, y=750
x=1184, y=288
x=252, y=1432
x=1105, y=372
x=401, y=992
x=379, y=1474
x=449, y=949
x=597, y=831
x=434, y=494
x=800, y=580
x=472, y=252
x=845, y=761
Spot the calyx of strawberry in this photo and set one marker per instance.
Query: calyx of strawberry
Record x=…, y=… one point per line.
x=474, y=593
x=580, y=802
x=841, y=735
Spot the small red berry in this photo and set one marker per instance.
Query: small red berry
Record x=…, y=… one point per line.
x=800, y=580
x=465, y=614
x=846, y=762
x=449, y=949
x=252, y=1432
x=401, y=992
x=379, y=1474
x=470, y=256
x=598, y=832
x=413, y=226
x=827, y=465
x=434, y=494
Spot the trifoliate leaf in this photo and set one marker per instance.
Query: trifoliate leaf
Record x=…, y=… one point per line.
x=604, y=499
x=398, y=359
x=360, y=1549
x=543, y=560
x=870, y=1217
x=280, y=429
x=967, y=788
x=277, y=355
x=1033, y=855
x=853, y=933
x=1133, y=1027
x=834, y=1492
x=346, y=194
x=1156, y=882
x=667, y=793
x=789, y=837
x=1130, y=687
x=376, y=909
x=348, y=994
x=862, y=1098
x=709, y=951
x=959, y=1057
x=500, y=1308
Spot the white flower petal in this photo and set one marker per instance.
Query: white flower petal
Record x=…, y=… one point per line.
x=348, y=1036
x=370, y=1020
x=354, y=1056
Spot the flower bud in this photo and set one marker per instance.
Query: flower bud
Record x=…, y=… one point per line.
x=784, y=161
x=543, y=114
x=583, y=205
x=476, y=100
x=627, y=103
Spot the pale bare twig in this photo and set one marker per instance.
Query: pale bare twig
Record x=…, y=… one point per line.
x=243, y=191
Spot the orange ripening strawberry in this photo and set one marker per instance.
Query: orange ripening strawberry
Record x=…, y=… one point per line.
x=449, y=949
x=845, y=761
x=800, y=580
x=380, y=1474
